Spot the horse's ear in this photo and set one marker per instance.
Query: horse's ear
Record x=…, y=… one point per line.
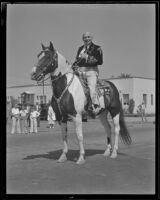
x=51, y=47
x=43, y=47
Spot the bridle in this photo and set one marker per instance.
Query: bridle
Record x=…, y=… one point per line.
x=52, y=63
x=58, y=100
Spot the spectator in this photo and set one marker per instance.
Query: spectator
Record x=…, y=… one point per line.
x=143, y=112
x=125, y=108
x=33, y=119
x=8, y=111
x=51, y=117
x=28, y=115
x=23, y=119
x=15, y=119
x=38, y=108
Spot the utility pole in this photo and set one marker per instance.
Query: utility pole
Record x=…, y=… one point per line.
x=43, y=90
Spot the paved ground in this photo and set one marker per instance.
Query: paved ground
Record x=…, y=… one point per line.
x=32, y=166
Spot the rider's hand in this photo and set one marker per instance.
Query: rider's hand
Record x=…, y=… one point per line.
x=75, y=67
x=84, y=56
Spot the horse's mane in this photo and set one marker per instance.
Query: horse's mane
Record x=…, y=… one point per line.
x=63, y=65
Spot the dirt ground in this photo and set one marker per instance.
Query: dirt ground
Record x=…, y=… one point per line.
x=32, y=166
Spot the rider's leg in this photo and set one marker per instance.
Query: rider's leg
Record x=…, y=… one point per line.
x=92, y=82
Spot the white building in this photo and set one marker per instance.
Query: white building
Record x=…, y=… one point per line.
x=137, y=88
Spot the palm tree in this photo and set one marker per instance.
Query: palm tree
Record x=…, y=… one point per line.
x=123, y=75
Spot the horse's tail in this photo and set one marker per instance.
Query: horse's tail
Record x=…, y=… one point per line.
x=124, y=133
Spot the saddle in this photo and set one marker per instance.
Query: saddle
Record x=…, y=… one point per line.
x=103, y=88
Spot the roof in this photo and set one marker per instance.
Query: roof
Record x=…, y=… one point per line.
x=27, y=92
x=18, y=86
x=131, y=77
x=33, y=85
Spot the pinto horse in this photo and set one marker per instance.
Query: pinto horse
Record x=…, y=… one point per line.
x=69, y=100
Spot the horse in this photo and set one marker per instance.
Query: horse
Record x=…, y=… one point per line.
x=69, y=100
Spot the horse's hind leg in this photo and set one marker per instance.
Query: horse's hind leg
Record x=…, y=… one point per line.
x=63, y=156
x=117, y=129
x=104, y=120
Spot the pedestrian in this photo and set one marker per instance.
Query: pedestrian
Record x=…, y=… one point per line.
x=51, y=117
x=38, y=108
x=8, y=111
x=28, y=115
x=23, y=119
x=33, y=119
x=125, y=107
x=89, y=56
x=143, y=112
x=15, y=114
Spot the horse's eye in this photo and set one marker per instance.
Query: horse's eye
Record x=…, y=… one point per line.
x=41, y=55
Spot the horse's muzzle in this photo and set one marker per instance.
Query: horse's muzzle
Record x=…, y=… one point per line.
x=33, y=77
x=37, y=77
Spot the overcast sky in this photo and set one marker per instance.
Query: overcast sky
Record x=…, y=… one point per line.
x=126, y=33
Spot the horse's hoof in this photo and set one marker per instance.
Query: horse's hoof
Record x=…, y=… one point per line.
x=62, y=158
x=80, y=161
x=113, y=155
x=107, y=153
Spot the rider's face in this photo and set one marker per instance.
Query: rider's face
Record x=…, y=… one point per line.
x=87, y=38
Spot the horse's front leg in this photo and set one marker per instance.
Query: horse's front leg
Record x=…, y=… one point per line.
x=63, y=156
x=79, y=132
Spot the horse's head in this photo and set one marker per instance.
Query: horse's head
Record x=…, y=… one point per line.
x=47, y=63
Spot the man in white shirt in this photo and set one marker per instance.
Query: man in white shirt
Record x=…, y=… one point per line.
x=33, y=118
x=38, y=108
x=143, y=112
x=15, y=119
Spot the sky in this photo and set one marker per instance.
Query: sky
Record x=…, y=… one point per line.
x=125, y=32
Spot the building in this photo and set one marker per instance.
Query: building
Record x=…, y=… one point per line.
x=137, y=88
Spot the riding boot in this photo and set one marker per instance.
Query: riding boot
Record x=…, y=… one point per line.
x=94, y=110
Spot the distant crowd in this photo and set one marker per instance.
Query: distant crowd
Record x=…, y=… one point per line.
x=26, y=118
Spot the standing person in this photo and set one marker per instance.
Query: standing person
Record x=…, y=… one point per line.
x=8, y=111
x=89, y=56
x=143, y=112
x=33, y=119
x=15, y=119
x=51, y=117
x=28, y=115
x=38, y=108
x=23, y=119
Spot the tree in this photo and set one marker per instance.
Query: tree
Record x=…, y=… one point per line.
x=123, y=75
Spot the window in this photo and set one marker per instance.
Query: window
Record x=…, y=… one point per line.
x=125, y=98
x=37, y=97
x=151, y=99
x=145, y=99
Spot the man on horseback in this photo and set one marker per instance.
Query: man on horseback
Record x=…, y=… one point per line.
x=89, y=56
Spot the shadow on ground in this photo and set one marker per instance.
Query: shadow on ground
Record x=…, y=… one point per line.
x=72, y=155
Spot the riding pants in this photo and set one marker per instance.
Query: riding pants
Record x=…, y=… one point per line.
x=92, y=82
